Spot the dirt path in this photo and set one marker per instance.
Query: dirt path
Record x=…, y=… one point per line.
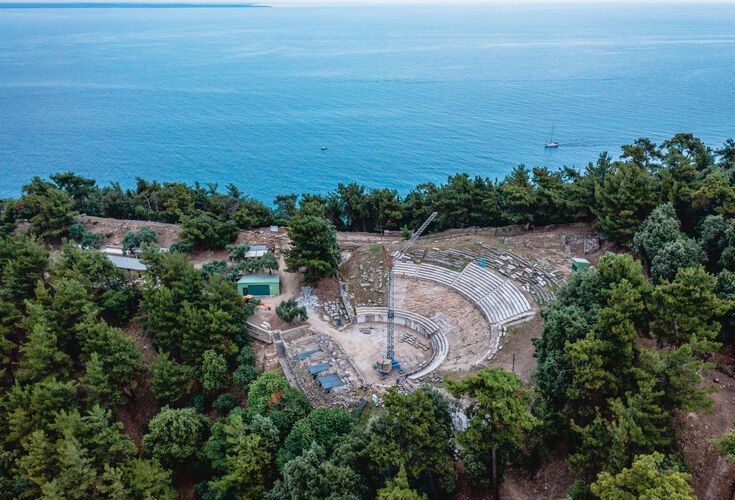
x=368, y=238
x=319, y=324
x=291, y=283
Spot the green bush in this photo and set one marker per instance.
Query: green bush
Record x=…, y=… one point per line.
x=215, y=375
x=243, y=376
x=224, y=403
x=133, y=240
x=289, y=310
x=85, y=238
x=176, y=436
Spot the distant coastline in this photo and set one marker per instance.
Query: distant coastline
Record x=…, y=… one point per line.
x=123, y=5
x=252, y=95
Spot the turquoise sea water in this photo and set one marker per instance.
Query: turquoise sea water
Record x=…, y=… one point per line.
x=398, y=95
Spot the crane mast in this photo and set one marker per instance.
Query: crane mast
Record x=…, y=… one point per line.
x=390, y=354
x=390, y=362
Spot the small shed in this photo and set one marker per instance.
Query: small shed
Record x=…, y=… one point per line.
x=130, y=264
x=578, y=264
x=329, y=382
x=260, y=285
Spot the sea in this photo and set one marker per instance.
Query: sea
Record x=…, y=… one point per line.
x=298, y=99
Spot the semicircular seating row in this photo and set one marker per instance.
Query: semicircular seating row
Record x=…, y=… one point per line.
x=497, y=298
x=418, y=323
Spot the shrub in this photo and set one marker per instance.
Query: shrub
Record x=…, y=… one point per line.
x=133, y=240
x=244, y=374
x=289, y=310
x=214, y=372
x=224, y=403
x=85, y=238
x=175, y=436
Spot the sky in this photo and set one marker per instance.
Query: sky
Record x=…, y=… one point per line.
x=286, y=3
x=473, y=2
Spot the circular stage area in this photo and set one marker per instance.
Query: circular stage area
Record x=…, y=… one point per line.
x=417, y=346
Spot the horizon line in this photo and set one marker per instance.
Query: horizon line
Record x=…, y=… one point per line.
x=126, y=5
x=30, y=4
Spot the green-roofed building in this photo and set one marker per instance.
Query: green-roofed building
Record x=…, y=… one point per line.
x=578, y=264
x=259, y=285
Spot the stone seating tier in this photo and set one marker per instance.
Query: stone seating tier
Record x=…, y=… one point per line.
x=418, y=323
x=499, y=300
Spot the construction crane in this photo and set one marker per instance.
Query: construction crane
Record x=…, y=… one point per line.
x=385, y=366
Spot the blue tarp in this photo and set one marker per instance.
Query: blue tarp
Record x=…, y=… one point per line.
x=330, y=381
x=303, y=355
x=318, y=368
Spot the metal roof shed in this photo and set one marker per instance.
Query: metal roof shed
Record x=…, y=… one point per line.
x=330, y=381
x=127, y=263
x=578, y=264
x=260, y=285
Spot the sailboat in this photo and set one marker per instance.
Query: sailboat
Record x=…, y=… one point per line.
x=551, y=144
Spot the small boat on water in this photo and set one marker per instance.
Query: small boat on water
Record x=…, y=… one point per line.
x=324, y=148
x=551, y=144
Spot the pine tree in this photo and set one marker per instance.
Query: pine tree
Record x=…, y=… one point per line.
x=499, y=419
x=41, y=356
x=604, y=361
x=176, y=436
x=76, y=476
x=215, y=375
x=411, y=434
x=646, y=478
x=314, y=246
x=171, y=381
x=686, y=310
x=312, y=476
x=625, y=198
x=97, y=383
x=659, y=228
x=398, y=489
x=49, y=210
x=245, y=469
x=637, y=426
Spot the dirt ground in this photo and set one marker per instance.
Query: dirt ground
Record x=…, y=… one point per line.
x=142, y=341
x=556, y=247
x=141, y=408
x=467, y=332
x=516, y=354
x=253, y=237
x=712, y=475
x=551, y=481
x=115, y=230
x=367, y=348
